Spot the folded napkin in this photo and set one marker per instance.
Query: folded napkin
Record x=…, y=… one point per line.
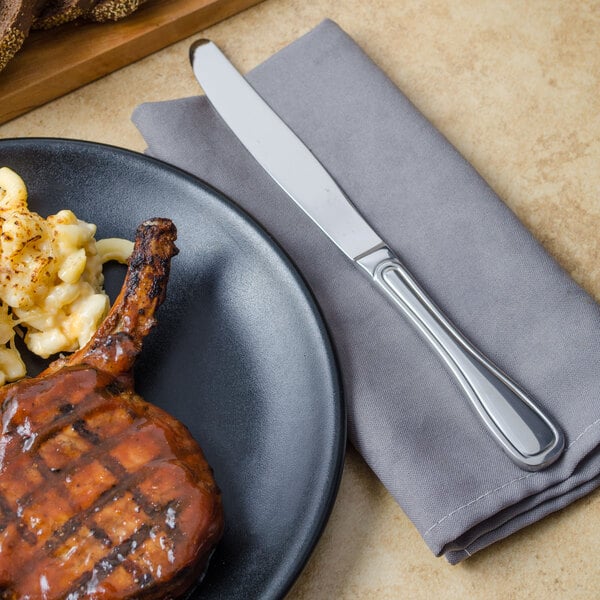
x=407, y=416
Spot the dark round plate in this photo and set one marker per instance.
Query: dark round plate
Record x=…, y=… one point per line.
x=240, y=354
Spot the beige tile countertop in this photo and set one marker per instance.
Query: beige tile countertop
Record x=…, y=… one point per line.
x=515, y=86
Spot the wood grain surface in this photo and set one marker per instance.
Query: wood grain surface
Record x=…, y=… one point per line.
x=54, y=62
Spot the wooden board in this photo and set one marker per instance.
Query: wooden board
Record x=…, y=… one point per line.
x=54, y=62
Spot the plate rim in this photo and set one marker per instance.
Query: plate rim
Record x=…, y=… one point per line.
x=337, y=460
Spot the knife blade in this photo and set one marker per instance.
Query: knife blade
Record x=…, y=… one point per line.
x=527, y=434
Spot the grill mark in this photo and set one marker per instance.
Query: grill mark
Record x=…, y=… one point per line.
x=27, y=536
x=146, y=579
x=6, y=512
x=65, y=409
x=142, y=501
x=104, y=447
x=79, y=425
x=91, y=402
x=65, y=531
x=105, y=566
x=25, y=500
x=90, y=456
x=100, y=534
x=118, y=554
x=140, y=576
x=45, y=388
x=12, y=516
x=69, y=412
x=45, y=471
x=115, y=467
x=72, y=525
x=127, y=482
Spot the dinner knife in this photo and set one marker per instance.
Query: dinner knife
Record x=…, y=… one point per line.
x=527, y=434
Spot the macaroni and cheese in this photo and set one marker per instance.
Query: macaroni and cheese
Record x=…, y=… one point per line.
x=50, y=278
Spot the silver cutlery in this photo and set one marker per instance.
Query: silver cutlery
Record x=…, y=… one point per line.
x=528, y=435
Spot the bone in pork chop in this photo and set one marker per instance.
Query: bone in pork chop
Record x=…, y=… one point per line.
x=103, y=495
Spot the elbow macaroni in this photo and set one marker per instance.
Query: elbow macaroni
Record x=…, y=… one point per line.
x=50, y=278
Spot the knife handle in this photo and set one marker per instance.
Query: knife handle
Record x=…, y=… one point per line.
x=526, y=434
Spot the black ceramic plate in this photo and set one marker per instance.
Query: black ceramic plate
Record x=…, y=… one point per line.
x=240, y=354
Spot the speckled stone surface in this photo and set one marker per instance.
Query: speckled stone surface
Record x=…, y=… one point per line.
x=515, y=86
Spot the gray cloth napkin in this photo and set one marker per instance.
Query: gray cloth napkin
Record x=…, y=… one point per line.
x=407, y=417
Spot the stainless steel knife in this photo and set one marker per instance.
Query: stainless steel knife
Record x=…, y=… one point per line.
x=528, y=435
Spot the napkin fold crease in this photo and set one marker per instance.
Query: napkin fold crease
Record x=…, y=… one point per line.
x=407, y=416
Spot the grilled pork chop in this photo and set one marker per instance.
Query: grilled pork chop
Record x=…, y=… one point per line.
x=103, y=495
